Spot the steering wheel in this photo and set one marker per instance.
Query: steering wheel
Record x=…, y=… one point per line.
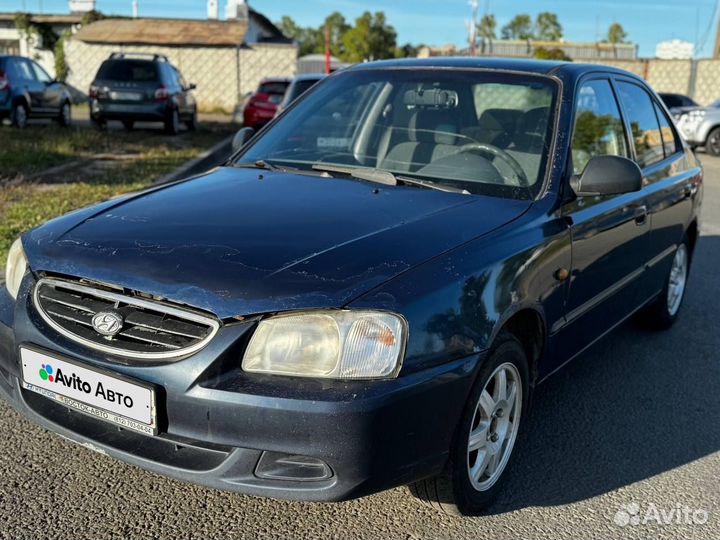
x=494, y=151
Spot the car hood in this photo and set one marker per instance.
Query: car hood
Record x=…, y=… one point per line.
x=237, y=242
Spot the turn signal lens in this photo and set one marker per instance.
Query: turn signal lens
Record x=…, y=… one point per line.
x=329, y=344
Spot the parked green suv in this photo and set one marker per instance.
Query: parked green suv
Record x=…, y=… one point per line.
x=134, y=88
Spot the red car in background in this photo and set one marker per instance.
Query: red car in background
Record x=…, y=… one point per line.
x=262, y=105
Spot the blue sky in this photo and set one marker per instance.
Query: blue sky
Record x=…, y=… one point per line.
x=443, y=21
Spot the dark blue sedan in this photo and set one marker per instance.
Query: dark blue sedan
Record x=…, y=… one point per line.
x=368, y=292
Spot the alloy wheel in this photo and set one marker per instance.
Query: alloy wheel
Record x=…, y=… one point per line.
x=494, y=427
x=66, y=114
x=678, y=279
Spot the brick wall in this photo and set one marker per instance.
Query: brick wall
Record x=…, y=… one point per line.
x=222, y=74
x=265, y=60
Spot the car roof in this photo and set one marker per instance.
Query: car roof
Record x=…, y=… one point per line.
x=540, y=67
x=310, y=77
x=275, y=80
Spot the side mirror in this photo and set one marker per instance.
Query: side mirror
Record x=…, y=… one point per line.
x=191, y=86
x=241, y=138
x=608, y=175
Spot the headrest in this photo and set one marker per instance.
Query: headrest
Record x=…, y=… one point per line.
x=499, y=120
x=534, y=121
x=433, y=126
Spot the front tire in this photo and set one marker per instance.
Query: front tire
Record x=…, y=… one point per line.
x=19, y=115
x=172, y=124
x=664, y=311
x=65, y=116
x=712, y=143
x=485, y=439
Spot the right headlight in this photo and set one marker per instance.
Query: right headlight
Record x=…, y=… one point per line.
x=330, y=344
x=15, y=268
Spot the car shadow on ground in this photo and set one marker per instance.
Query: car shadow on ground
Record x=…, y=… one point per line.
x=638, y=404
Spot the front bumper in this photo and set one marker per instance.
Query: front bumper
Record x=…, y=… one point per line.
x=217, y=422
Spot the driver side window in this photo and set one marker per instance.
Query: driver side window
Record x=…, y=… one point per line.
x=598, y=125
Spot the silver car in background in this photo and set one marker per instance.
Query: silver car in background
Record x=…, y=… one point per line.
x=700, y=126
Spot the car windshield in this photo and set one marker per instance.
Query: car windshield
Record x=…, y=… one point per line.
x=486, y=132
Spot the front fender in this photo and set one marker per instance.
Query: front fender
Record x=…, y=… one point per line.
x=457, y=303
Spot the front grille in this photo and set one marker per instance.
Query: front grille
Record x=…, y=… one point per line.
x=149, y=329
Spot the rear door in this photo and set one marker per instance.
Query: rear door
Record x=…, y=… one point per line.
x=609, y=233
x=668, y=178
x=34, y=89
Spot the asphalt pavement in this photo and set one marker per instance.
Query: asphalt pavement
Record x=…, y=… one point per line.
x=623, y=443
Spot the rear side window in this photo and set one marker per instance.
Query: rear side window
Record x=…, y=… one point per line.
x=598, y=125
x=670, y=143
x=640, y=112
x=23, y=70
x=128, y=70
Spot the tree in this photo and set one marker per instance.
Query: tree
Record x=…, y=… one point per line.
x=616, y=34
x=338, y=28
x=520, y=27
x=547, y=27
x=541, y=53
x=372, y=38
x=487, y=27
x=309, y=40
x=408, y=51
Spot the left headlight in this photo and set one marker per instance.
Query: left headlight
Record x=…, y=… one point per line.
x=344, y=344
x=15, y=268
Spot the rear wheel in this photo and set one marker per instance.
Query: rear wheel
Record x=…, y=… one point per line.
x=99, y=124
x=65, y=116
x=712, y=143
x=128, y=125
x=484, y=444
x=172, y=124
x=19, y=115
x=664, y=311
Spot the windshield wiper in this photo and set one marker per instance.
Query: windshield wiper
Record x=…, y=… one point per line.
x=266, y=165
x=387, y=178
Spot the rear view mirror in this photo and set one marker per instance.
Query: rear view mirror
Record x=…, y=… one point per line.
x=608, y=175
x=242, y=137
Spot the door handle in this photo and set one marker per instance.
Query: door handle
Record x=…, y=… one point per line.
x=640, y=214
x=688, y=191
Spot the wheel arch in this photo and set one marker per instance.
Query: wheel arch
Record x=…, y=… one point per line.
x=527, y=323
x=22, y=99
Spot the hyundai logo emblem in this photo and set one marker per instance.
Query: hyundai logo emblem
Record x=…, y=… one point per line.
x=107, y=323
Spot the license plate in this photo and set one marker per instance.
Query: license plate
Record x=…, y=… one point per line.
x=126, y=96
x=109, y=397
